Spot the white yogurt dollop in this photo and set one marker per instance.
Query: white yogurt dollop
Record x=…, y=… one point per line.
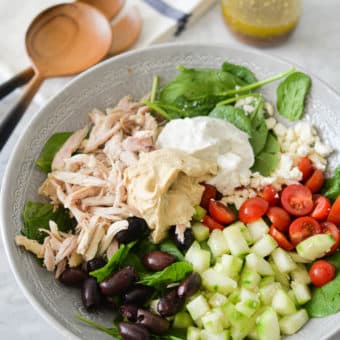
x=215, y=140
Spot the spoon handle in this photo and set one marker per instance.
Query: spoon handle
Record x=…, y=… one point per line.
x=16, y=81
x=10, y=121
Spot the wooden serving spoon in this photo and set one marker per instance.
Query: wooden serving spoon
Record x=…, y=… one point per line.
x=61, y=41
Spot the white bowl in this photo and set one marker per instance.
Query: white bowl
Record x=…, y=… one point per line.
x=101, y=87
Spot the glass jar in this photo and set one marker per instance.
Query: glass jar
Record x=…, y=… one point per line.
x=261, y=22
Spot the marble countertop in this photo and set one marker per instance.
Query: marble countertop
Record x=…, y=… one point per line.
x=315, y=45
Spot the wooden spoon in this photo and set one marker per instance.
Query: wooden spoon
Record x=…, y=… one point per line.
x=61, y=41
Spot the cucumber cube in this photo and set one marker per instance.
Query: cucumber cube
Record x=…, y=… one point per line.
x=297, y=258
x=300, y=274
x=292, y=323
x=199, y=258
x=264, y=246
x=283, y=261
x=267, y=325
x=206, y=335
x=301, y=292
x=282, y=303
x=258, y=264
x=199, y=213
x=200, y=231
x=193, y=333
x=232, y=265
x=267, y=292
x=217, y=300
x=198, y=307
x=315, y=246
x=245, y=233
x=258, y=229
x=235, y=240
x=281, y=277
x=249, y=278
x=248, y=304
x=217, y=243
x=215, y=281
x=182, y=320
x=266, y=281
x=213, y=321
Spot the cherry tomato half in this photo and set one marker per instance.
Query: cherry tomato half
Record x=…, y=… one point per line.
x=331, y=228
x=321, y=272
x=280, y=239
x=221, y=213
x=211, y=223
x=302, y=228
x=306, y=167
x=334, y=214
x=252, y=209
x=279, y=217
x=271, y=195
x=315, y=182
x=297, y=200
x=210, y=192
x=322, y=207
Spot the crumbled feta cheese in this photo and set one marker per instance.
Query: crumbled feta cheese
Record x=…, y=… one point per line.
x=269, y=108
x=303, y=150
x=279, y=129
x=322, y=149
x=271, y=122
x=248, y=108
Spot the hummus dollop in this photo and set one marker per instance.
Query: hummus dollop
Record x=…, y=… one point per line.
x=164, y=185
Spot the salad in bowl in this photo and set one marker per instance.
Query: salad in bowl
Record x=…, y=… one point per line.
x=193, y=213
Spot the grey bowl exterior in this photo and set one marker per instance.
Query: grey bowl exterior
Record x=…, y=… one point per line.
x=101, y=87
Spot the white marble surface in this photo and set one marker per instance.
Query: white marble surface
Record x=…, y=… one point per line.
x=315, y=45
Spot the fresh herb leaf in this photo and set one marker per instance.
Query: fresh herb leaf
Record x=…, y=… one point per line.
x=169, y=247
x=266, y=161
x=174, y=273
x=240, y=71
x=115, y=262
x=134, y=261
x=143, y=247
x=52, y=146
x=233, y=115
x=291, y=94
x=331, y=188
x=154, y=89
x=37, y=216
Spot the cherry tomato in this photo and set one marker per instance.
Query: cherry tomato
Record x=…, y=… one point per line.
x=321, y=272
x=315, y=182
x=297, y=200
x=331, y=228
x=334, y=214
x=302, y=228
x=210, y=192
x=211, y=223
x=322, y=207
x=306, y=167
x=279, y=217
x=252, y=209
x=271, y=195
x=280, y=239
x=221, y=213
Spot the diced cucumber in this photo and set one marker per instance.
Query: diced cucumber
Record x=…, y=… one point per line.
x=281, y=277
x=267, y=325
x=245, y=233
x=200, y=231
x=153, y=306
x=213, y=321
x=266, y=281
x=302, y=292
x=292, y=323
x=205, y=335
x=292, y=297
x=234, y=297
x=232, y=265
x=252, y=335
x=282, y=303
x=315, y=246
x=258, y=264
x=199, y=258
x=258, y=229
x=217, y=300
x=217, y=243
x=236, y=242
x=300, y=274
x=182, y=320
x=248, y=304
x=297, y=258
x=264, y=246
x=199, y=213
x=283, y=261
x=197, y=307
x=267, y=292
x=215, y=281
x=249, y=278
x=193, y=333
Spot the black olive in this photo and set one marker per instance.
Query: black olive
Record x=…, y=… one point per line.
x=188, y=238
x=130, y=331
x=138, y=295
x=95, y=264
x=158, y=260
x=90, y=294
x=72, y=277
x=170, y=304
x=190, y=285
x=154, y=323
x=129, y=312
x=136, y=229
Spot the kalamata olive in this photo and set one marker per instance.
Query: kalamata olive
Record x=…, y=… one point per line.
x=154, y=323
x=118, y=283
x=129, y=312
x=170, y=303
x=137, y=227
x=109, y=302
x=95, y=264
x=72, y=277
x=138, y=295
x=90, y=294
x=188, y=238
x=158, y=260
x=190, y=285
x=130, y=331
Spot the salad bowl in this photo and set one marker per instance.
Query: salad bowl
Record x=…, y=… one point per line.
x=101, y=87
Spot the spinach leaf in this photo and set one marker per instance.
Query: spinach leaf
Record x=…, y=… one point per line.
x=331, y=188
x=291, y=94
x=266, y=161
x=240, y=71
x=174, y=273
x=143, y=247
x=52, y=146
x=233, y=115
x=37, y=215
x=115, y=262
x=134, y=261
x=169, y=247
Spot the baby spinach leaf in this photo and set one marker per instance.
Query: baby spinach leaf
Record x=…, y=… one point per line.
x=240, y=71
x=174, y=273
x=291, y=94
x=266, y=161
x=331, y=188
x=134, y=261
x=37, y=216
x=52, y=146
x=233, y=115
x=169, y=247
